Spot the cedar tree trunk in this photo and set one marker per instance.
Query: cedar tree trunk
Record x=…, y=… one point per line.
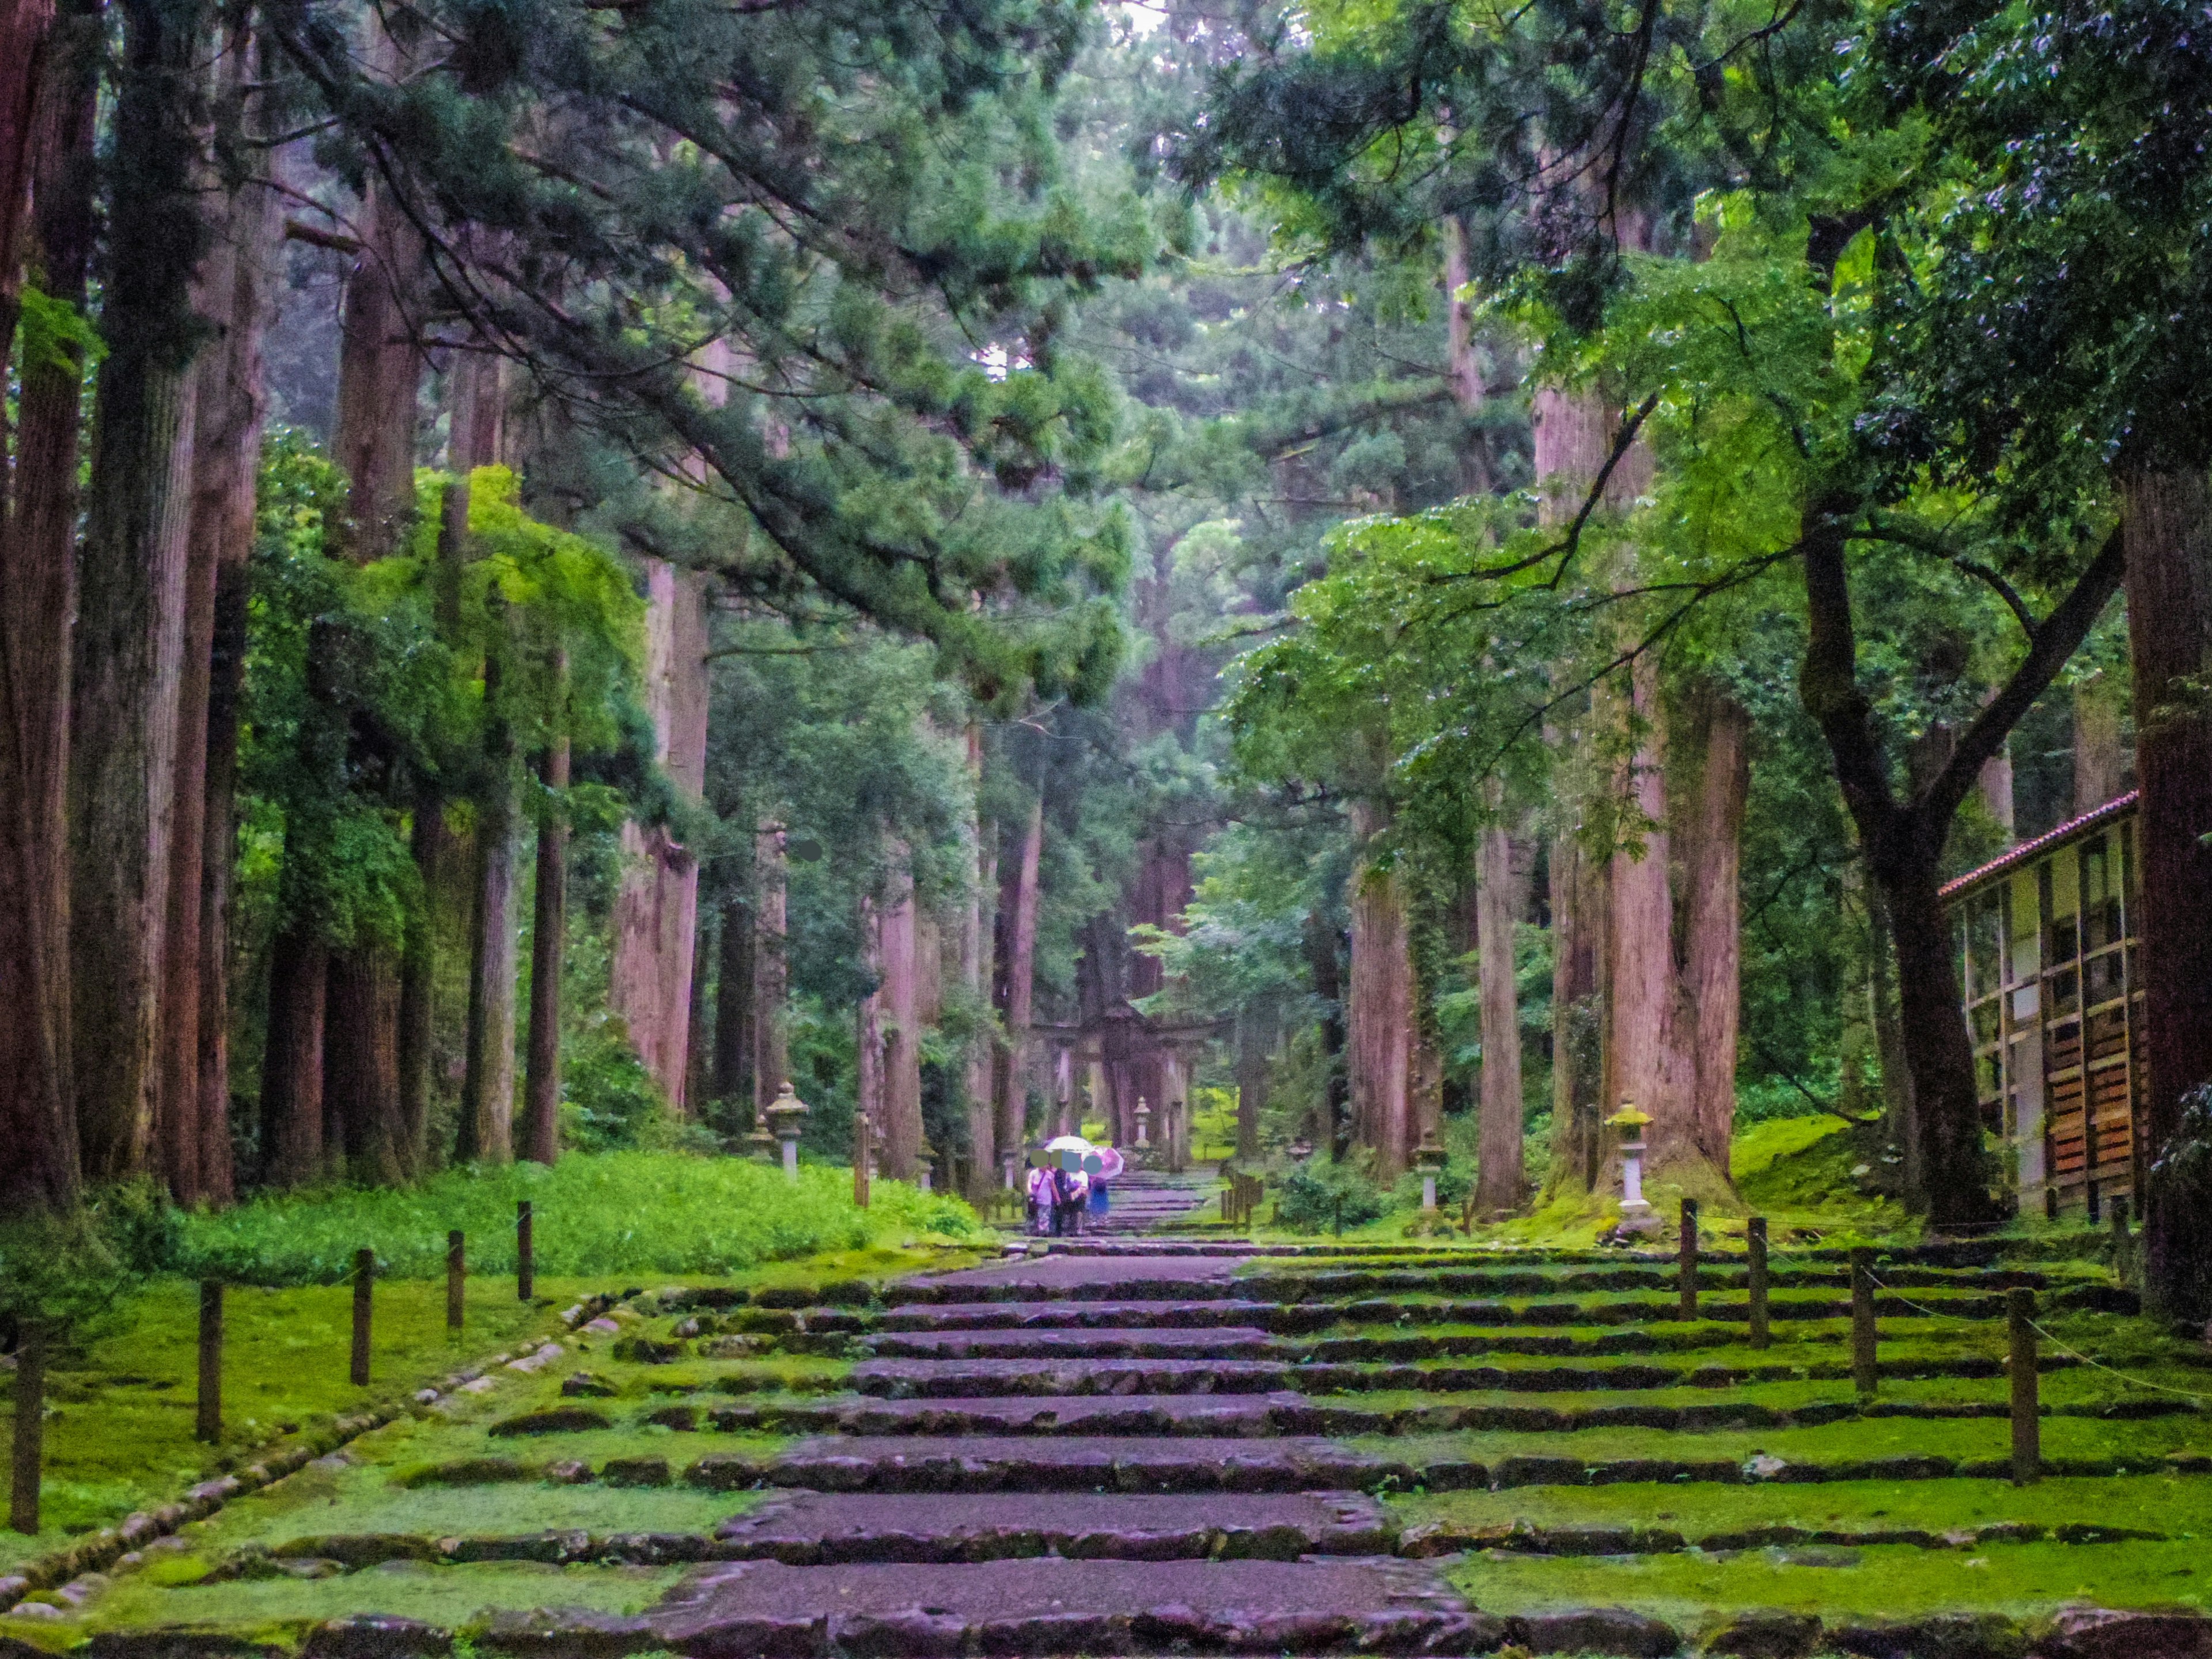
x=128, y=646
x=2167, y=518
x=771, y=968
x=37, y=588
x=541, y=1088
x=1501, y=898
x=2100, y=750
x=1019, y=911
x=731, y=1082
x=1379, y=1021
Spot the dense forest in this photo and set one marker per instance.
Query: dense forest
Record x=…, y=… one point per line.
x=1430, y=572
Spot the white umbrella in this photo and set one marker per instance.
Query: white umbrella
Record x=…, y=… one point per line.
x=1067, y=1143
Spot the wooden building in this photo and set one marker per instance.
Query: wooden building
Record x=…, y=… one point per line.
x=2047, y=945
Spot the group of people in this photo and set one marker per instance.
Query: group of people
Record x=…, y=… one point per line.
x=1060, y=1194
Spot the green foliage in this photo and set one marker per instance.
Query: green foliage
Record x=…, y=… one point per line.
x=1310, y=1195
x=53, y=334
x=608, y=1098
x=66, y=1272
x=618, y=1213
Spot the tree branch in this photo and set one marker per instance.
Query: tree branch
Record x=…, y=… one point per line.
x=1827, y=683
x=2050, y=647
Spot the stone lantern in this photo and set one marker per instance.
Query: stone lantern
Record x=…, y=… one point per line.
x=1144, y=1115
x=925, y=1157
x=1635, y=1215
x=1429, y=1159
x=1300, y=1150
x=759, y=1145
x=785, y=1116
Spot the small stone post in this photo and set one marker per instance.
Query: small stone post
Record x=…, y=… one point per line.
x=1754, y=1238
x=786, y=1117
x=2026, y=1406
x=1864, y=1371
x=1429, y=1159
x=1685, y=1271
x=30, y=1429
x=457, y=1279
x=364, y=1303
x=208, y=1424
x=526, y=1252
x=1635, y=1215
x=2123, y=1246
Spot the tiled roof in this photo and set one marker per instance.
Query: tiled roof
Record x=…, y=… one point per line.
x=2118, y=806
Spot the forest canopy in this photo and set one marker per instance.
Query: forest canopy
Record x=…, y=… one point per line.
x=1431, y=573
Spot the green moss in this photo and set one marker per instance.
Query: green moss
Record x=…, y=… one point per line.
x=284, y=1609
x=2180, y=1506
x=2142, y=1444
x=1696, y=1591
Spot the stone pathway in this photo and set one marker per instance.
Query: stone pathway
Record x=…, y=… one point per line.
x=1148, y=1447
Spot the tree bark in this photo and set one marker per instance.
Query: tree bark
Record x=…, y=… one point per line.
x=1255, y=1037
x=2100, y=751
x=1712, y=955
x=1379, y=1022
x=1904, y=838
x=1324, y=964
x=868, y=1048
x=657, y=910
x=487, y=1118
x=230, y=294
x=232, y=410
x=1501, y=899
x=360, y=1066
x=1019, y=911
x=380, y=362
x=541, y=1089
x=2166, y=521
x=129, y=630
x=771, y=968
x=975, y=975
x=734, y=1040
x=292, y=1150
x=898, y=1022
x=1579, y=946
x=37, y=588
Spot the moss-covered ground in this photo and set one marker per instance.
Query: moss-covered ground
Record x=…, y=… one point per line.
x=120, y=1413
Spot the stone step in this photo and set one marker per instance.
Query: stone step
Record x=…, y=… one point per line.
x=1065, y=1463
x=1224, y=1342
x=929, y=1379
x=1254, y=1416
x=1298, y=1318
x=814, y=1528
x=1053, y=1607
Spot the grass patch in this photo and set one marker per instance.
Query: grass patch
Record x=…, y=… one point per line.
x=611, y=1213
x=1883, y=1583
x=2178, y=1506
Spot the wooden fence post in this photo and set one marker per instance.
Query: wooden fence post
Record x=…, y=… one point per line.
x=526, y=1252
x=2123, y=1246
x=1687, y=1267
x=364, y=1293
x=207, y=1426
x=1863, y=1369
x=30, y=1429
x=2026, y=1406
x=457, y=1279
x=1754, y=1238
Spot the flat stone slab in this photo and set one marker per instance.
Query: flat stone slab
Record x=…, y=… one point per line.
x=1043, y=1278
x=812, y=1529
x=1081, y=1315
x=1065, y=1463
x=900, y=1379
x=1170, y=1414
x=1066, y=1607
x=1221, y=1342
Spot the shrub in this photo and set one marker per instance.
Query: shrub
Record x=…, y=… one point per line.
x=1309, y=1195
x=614, y=1212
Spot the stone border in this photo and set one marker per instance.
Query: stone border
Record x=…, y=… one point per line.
x=100, y=1550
